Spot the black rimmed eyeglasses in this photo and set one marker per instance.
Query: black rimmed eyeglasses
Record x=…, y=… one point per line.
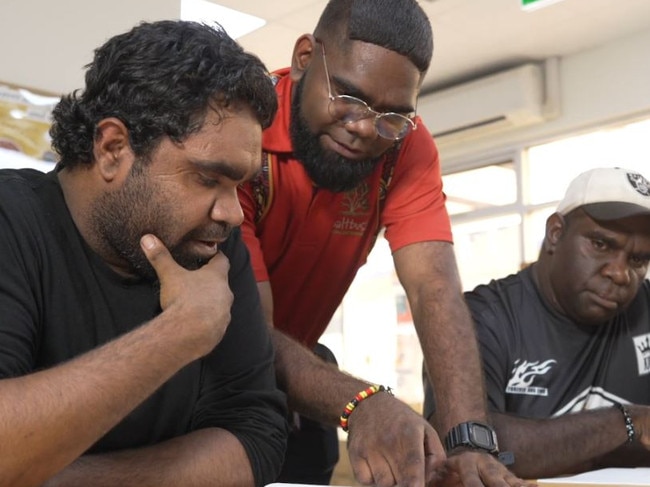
x=348, y=109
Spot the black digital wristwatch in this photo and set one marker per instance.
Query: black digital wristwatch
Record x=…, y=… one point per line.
x=476, y=436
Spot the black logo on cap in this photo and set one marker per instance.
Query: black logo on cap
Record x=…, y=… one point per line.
x=639, y=183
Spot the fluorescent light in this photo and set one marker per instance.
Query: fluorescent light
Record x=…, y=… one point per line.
x=235, y=23
x=530, y=5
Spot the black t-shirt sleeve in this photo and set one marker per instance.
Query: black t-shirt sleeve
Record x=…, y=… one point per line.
x=238, y=389
x=19, y=281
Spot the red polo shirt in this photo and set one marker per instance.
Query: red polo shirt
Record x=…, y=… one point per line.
x=310, y=242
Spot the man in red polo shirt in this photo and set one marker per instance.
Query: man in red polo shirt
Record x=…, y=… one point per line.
x=335, y=172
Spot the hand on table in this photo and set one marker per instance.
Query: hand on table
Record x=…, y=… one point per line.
x=390, y=444
x=476, y=469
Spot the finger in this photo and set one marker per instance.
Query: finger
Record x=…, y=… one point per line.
x=434, y=458
x=495, y=473
x=361, y=470
x=157, y=255
x=407, y=473
x=490, y=472
x=465, y=466
x=515, y=481
x=399, y=460
x=385, y=476
x=368, y=468
x=446, y=478
x=382, y=474
x=219, y=262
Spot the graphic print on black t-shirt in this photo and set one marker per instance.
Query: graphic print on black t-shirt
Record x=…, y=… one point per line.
x=539, y=364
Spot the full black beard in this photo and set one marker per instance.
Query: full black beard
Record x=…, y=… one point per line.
x=327, y=169
x=121, y=217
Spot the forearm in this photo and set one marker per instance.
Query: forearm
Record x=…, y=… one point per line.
x=205, y=457
x=49, y=418
x=567, y=444
x=445, y=329
x=388, y=443
x=628, y=455
x=452, y=359
x=314, y=387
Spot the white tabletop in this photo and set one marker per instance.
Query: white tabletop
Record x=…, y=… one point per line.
x=613, y=477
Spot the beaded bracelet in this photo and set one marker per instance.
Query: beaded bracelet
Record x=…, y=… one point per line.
x=629, y=425
x=366, y=393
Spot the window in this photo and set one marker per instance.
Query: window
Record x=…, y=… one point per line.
x=498, y=210
x=484, y=207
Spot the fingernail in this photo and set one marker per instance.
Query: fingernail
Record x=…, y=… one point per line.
x=148, y=242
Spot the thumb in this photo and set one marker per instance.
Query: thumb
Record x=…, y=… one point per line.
x=157, y=255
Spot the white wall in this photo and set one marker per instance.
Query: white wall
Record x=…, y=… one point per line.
x=52, y=54
x=597, y=87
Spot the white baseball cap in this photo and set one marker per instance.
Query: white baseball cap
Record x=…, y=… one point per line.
x=608, y=194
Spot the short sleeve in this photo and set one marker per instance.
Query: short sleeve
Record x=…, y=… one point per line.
x=415, y=204
x=492, y=350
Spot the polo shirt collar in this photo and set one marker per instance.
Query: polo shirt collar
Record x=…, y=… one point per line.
x=276, y=138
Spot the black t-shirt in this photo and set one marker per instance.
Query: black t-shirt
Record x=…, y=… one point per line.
x=58, y=300
x=539, y=364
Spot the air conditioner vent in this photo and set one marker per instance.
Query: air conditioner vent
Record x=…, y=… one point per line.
x=465, y=128
x=513, y=98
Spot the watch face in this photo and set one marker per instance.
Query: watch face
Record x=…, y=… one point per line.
x=472, y=435
x=482, y=437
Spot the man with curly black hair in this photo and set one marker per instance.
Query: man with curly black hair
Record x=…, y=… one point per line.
x=133, y=349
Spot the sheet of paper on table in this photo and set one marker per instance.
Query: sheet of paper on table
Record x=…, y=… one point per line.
x=612, y=477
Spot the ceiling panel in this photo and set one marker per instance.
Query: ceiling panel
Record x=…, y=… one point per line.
x=472, y=37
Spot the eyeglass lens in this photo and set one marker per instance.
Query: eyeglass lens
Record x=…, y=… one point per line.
x=350, y=109
x=346, y=108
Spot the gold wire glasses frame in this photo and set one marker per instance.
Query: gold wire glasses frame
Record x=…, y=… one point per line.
x=348, y=109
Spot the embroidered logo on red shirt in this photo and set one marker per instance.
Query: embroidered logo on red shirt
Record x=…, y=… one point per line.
x=355, y=211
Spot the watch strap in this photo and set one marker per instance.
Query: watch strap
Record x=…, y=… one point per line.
x=458, y=436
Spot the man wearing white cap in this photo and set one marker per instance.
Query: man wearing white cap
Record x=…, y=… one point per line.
x=566, y=342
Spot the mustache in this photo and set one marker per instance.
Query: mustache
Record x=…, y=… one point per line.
x=219, y=232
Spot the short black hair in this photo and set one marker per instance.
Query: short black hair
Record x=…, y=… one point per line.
x=398, y=25
x=160, y=79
